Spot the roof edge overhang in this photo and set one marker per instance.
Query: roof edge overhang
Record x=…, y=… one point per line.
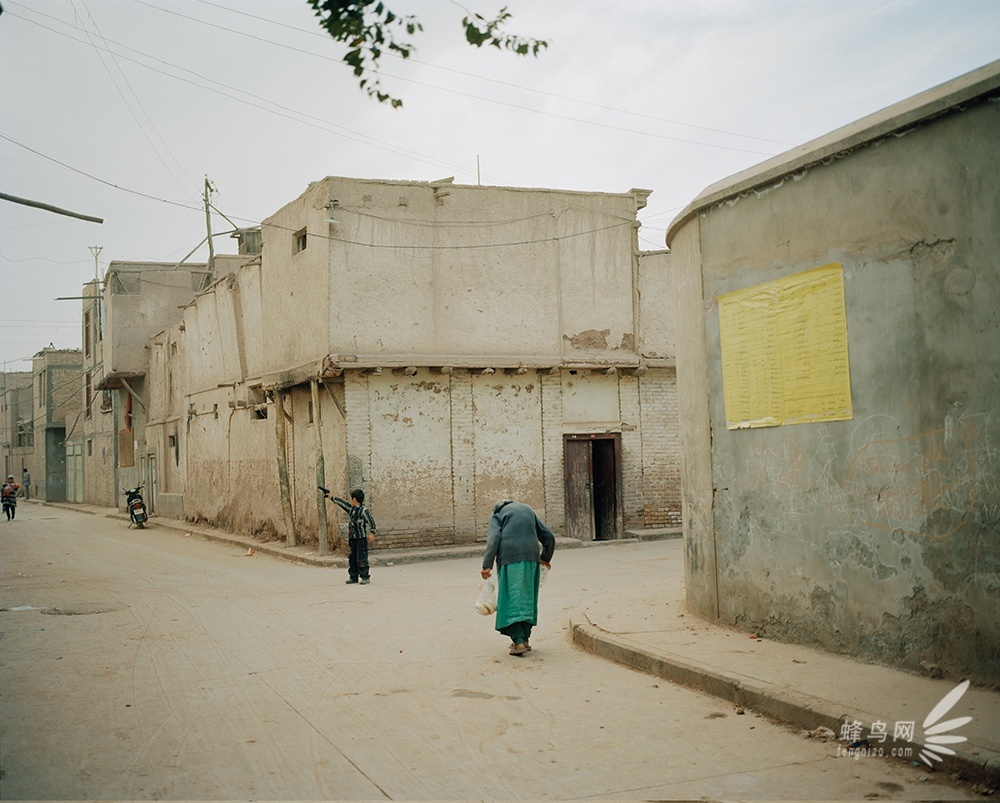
x=117, y=380
x=334, y=365
x=974, y=86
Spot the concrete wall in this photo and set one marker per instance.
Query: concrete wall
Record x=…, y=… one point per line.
x=141, y=298
x=656, y=290
x=57, y=381
x=877, y=536
x=16, y=422
x=415, y=269
x=98, y=432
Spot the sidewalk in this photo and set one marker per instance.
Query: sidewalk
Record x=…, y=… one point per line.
x=803, y=687
x=651, y=631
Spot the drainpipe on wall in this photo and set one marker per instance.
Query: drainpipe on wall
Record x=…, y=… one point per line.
x=291, y=537
x=324, y=545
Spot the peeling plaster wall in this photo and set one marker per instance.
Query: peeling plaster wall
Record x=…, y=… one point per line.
x=295, y=284
x=142, y=298
x=508, y=444
x=878, y=536
x=167, y=420
x=301, y=456
x=657, y=289
x=434, y=452
x=410, y=451
x=414, y=268
x=590, y=401
x=225, y=463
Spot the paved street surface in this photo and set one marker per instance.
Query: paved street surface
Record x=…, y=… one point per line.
x=150, y=665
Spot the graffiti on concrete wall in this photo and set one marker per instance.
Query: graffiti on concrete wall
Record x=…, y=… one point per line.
x=927, y=484
x=920, y=485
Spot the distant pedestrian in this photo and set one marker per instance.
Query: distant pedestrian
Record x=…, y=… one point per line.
x=360, y=534
x=26, y=483
x=8, y=495
x=512, y=542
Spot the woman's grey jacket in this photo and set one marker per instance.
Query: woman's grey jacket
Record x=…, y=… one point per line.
x=514, y=535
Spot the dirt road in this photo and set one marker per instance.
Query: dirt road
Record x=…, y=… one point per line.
x=149, y=665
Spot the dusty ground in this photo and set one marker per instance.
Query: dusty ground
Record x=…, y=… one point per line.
x=147, y=665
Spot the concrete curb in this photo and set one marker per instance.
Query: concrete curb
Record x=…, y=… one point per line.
x=779, y=703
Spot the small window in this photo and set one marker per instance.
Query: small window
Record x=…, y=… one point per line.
x=257, y=401
x=86, y=333
x=90, y=448
x=299, y=241
x=173, y=349
x=128, y=284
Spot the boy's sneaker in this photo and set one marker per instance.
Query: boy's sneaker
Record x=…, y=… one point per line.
x=351, y=581
x=365, y=581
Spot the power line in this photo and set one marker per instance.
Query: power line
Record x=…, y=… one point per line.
x=509, y=84
x=458, y=92
x=95, y=178
x=321, y=124
x=135, y=98
x=628, y=222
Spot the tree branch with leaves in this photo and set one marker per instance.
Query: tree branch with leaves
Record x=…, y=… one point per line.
x=370, y=29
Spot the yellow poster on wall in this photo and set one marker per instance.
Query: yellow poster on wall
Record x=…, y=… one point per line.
x=784, y=351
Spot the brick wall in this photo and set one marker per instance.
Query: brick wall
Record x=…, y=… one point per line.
x=633, y=496
x=359, y=440
x=661, y=476
x=409, y=539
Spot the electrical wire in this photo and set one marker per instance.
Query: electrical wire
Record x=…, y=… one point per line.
x=534, y=90
x=99, y=180
x=626, y=222
x=458, y=92
x=135, y=98
x=306, y=119
x=464, y=247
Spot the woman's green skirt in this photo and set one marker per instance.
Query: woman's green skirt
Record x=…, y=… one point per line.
x=517, y=593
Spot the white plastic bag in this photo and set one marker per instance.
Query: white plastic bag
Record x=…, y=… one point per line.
x=543, y=576
x=486, y=602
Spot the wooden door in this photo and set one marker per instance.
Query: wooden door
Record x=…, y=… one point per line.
x=579, y=468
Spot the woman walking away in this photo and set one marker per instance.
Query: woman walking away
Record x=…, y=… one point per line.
x=9, y=497
x=513, y=540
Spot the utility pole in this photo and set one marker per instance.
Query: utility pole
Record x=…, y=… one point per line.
x=96, y=251
x=208, y=226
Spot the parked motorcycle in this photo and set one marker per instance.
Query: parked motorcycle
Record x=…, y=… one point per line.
x=136, y=506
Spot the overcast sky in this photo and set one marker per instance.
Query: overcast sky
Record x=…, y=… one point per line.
x=119, y=109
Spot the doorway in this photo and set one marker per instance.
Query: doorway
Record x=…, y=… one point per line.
x=74, y=472
x=148, y=470
x=592, y=466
